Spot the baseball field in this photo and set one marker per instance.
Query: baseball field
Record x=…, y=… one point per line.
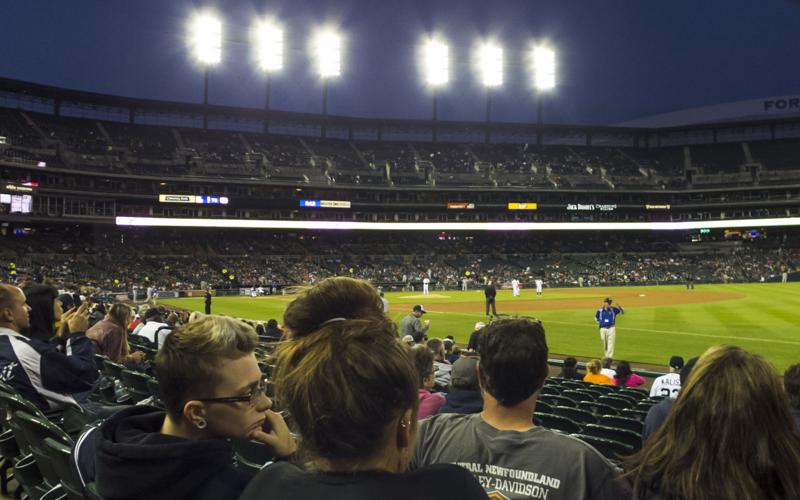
x=659, y=321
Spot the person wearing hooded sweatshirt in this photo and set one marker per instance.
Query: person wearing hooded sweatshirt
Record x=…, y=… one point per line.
x=465, y=392
x=212, y=389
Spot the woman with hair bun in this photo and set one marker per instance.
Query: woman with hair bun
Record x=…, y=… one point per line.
x=351, y=388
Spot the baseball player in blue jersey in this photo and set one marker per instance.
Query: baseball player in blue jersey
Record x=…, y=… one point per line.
x=606, y=317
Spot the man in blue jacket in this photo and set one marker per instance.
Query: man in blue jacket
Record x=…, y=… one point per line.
x=606, y=317
x=47, y=374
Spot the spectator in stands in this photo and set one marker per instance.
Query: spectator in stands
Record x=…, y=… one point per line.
x=465, y=392
x=273, y=331
x=657, y=413
x=408, y=340
x=606, y=368
x=414, y=326
x=730, y=434
x=212, y=389
x=625, y=377
x=511, y=371
x=440, y=364
x=570, y=369
x=153, y=322
x=668, y=385
x=791, y=382
x=472, y=345
x=449, y=353
x=594, y=376
x=351, y=388
x=331, y=299
x=429, y=402
x=47, y=374
x=110, y=336
x=45, y=311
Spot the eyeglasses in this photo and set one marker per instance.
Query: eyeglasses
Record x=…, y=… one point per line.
x=252, y=397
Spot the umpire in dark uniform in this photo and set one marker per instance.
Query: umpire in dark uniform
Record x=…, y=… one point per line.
x=490, y=292
x=208, y=301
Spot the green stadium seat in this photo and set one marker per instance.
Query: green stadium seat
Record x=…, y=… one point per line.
x=9, y=452
x=577, y=396
x=618, y=403
x=598, y=409
x=575, y=384
x=645, y=405
x=636, y=414
x=558, y=423
x=630, y=438
x=136, y=383
x=630, y=424
x=155, y=390
x=635, y=393
x=575, y=414
x=544, y=407
x=113, y=370
x=60, y=458
x=550, y=390
x=597, y=390
x=558, y=401
x=36, y=429
x=610, y=448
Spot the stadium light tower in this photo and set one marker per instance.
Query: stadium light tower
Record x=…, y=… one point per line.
x=328, y=54
x=268, y=37
x=205, y=40
x=490, y=66
x=544, y=79
x=436, y=64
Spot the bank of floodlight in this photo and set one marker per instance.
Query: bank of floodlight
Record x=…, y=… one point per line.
x=490, y=64
x=544, y=68
x=205, y=38
x=328, y=53
x=268, y=39
x=436, y=63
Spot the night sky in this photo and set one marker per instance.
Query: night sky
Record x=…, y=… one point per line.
x=618, y=59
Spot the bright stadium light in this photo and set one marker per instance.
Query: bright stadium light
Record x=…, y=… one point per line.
x=544, y=68
x=269, y=45
x=205, y=38
x=328, y=53
x=457, y=226
x=490, y=64
x=436, y=63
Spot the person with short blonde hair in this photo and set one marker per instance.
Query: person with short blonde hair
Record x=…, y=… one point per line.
x=594, y=375
x=213, y=390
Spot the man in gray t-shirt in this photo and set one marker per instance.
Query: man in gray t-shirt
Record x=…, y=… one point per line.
x=510, y=456
x=413, y=325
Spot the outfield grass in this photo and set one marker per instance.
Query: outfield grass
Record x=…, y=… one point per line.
x=766, y=320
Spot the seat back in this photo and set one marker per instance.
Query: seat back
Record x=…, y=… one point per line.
x=618, y=403
x=60, y=454
x=557, y=422
x=623, y=435
x=609, y=448
x=577, y=396
x=576, y=414
x=113, y=370
x=543, y=407
x=36, y=429
x=558, y=401
x=630, y=424
x=137, y=384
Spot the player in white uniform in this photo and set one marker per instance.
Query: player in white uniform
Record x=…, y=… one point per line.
x=539, y=283
x=669, y=385
x=515, y=287
x=425, y=284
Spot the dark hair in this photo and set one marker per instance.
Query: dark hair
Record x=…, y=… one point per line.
x=331, y=298
x=272, y=324
x=569, y=369
x=729, y=434
x=513, y=363
x=345, y=385
x=623, y=372
x=791, y=382
x=41, y=299
x=153, y=314
x=260, y=330
x=606, y=362
x=423, y=363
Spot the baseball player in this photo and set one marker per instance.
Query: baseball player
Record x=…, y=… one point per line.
x=426, y=282
x=539, y=283
x=515, y=287
x=606, y=317
x=464, y=284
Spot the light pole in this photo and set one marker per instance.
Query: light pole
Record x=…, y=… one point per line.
x=436, y=64
x=544, y=80
x=205, y=40
x=490, y=67
x=328, y=52
x=268, y=37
